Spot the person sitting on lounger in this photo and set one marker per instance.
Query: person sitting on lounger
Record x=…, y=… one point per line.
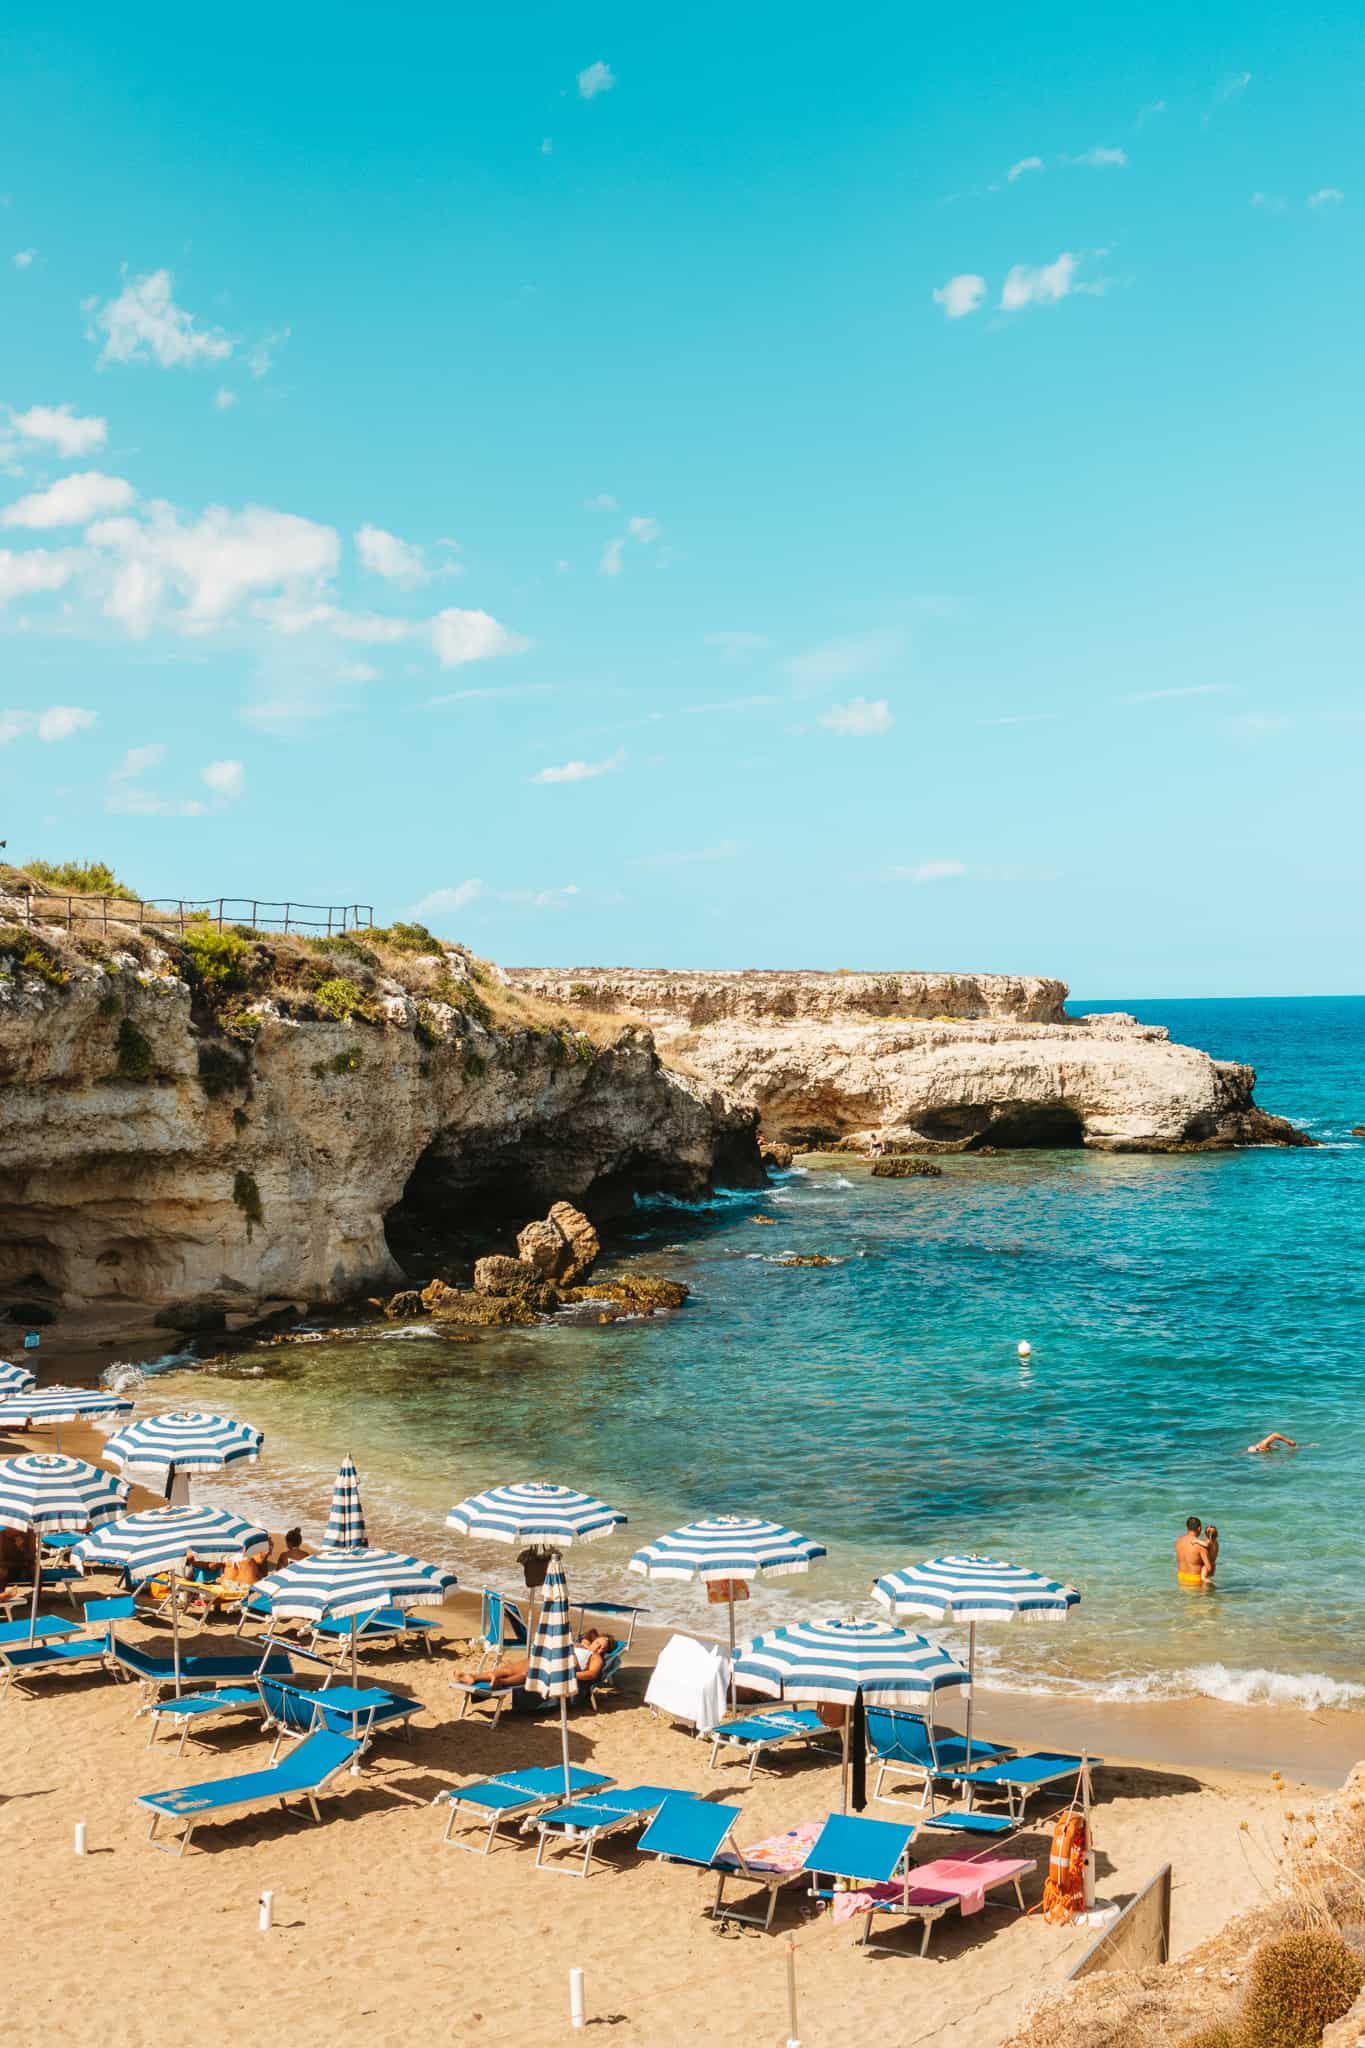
x=293, y=1551
x=590, y=1653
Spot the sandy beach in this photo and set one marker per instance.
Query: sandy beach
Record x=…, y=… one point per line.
x=377, y=1923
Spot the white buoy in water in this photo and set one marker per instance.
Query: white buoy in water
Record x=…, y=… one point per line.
x=1025, y=1350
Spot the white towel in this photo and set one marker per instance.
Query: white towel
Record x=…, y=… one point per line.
x=690, y=1682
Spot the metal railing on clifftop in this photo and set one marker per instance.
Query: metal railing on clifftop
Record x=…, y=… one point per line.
x=176, y=913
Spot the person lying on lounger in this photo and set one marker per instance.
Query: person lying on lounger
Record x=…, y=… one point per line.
x=589, y=1652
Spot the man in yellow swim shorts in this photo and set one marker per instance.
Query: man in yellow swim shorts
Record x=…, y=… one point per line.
x=1191, y=1554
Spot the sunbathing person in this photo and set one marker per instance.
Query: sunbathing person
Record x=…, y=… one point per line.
x=590, y=1653
x=293, y=1551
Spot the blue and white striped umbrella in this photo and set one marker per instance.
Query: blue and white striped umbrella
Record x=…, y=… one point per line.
x=15, y=1379
x=156, y=1539
x=46, y=1492
x=536, y=1515
x=830, y=1661
x=974, y=1589
x=184, y=1438
x=551, y=1668
x=343, y=1585
x=727, y=1547
x=64, y=1404
x=346, y=1521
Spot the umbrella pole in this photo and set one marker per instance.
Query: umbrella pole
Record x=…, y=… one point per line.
x=352, y=1652
x=971, y=1685
x=37, y=1583
x=175, y=1625
x=730, y=1603
x=843, y=1769
x=564, y=1744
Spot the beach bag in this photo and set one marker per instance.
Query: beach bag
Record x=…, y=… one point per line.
x=1064, y=1891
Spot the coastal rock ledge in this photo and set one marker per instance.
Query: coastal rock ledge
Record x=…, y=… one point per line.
x=934, y=1062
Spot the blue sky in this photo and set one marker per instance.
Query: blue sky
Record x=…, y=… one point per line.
x=761, y=488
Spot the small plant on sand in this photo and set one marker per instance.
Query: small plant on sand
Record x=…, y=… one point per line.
x=79, y=878
x=1299, y=1985
x=218, y=959
x=132, y=1053
x=342, y=999
x=247, y=1197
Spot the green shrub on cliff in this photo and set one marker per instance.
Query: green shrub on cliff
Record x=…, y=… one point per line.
x=247, y=1197
x=342, y=999
x=1299, y=1985
x=79, y=878
x=217, y=959
x=22, y=953
x=405, y=938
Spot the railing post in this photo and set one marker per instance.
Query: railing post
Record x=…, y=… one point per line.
x=220, y=913
x=286, y=917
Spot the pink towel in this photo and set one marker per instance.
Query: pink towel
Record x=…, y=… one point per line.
x=951, y=1877
x=779, y=1854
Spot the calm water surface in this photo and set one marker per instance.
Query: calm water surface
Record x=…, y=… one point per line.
x=1177, y=1309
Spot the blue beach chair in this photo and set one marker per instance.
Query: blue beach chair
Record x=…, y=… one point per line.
x=767, y=1728
x=909, y=1746
x=23, y=1662
x=1021, y=1776
x=696, y=1831
x=154, y=1673
x=44, y=1629
x=877, y=1852
x=515, y=1796
x=304, y=1774
x=583, y=1824
x=384, y=1626
x=193, y=1709
x=294, y=1713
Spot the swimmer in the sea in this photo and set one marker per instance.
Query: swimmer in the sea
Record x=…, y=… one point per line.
x=1211, y=1546
x=1268, y=1443
x=1191, y=1554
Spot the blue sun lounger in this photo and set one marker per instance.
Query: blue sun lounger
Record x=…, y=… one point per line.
x=192, y=1709
x=294, y=1713
x=909, y=1746
x=304, y=1774
x=153, y=1672
x=877, y=1852
x=696, y=1831
x=24, y=1661
x=515, y=1796
x=1021, y=1776
x=583, y=1824
x=385, y=1625
x=767, y=1728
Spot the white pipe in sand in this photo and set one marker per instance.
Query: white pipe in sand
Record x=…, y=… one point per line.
x=577, y=2008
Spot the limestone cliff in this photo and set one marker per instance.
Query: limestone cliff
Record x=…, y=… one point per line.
x=947, y=1061
x=232, y=1119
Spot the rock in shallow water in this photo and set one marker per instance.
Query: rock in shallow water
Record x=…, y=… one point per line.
x=634, y=1291
x=487, y=1311
x=561, y=1248
x=900, y=1167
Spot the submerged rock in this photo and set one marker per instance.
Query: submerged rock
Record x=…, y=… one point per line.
x=485, y=1311
x=807, y=1259
x=903, y=1166
x=562, y=1248
x=634, y=1291
x=408, y=1302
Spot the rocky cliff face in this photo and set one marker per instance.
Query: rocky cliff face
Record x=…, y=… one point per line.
x=166, y=1136
x=934, y=1061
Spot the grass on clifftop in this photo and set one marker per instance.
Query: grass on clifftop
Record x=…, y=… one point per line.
x=78, y=878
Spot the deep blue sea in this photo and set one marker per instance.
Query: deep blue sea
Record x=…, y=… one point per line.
x=1177, y=1309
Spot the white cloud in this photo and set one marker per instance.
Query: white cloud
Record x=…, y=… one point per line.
x=840, y=661
x=610, y=564
x=1231, y=87
x=961, y=295
x=71, y=501
x=359, y=672
x=1187, y=690
x=23, y=258
x=223, y=399
x=858, y=719
x=1100, y=159
x=735, y=646
x=212, y=564
x=1150, y=111
x=37, y=569
x=1267, y=202
x=638, y=528
x=603, y=502
x=291, y=618
x=597, y=78
x=727, y=704
x=61, y=428
x=583, y=771
x=1330, y=195
x=394, y=559
x=442, y=902
x=127, y=796
x=461, y=636
x=1023, y=167
x=1043, y=285
x=58, y=722
x=137, y=761
x=644, y=530
x=931, y=871
x=225, y=778
x=144, y=324
x=261, y=354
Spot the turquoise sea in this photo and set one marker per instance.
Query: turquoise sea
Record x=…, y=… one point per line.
x=1177, y=1309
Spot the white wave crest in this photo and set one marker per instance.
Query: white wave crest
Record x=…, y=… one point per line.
x=1308, y=1690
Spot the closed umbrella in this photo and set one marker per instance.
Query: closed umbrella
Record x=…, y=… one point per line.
x=723, y=1548
x=973, y=1589
x=346, y=1520
x=181, y=1441
x=57, y=1405
x=832, y=1661
x=552, y=1669
x=156, y=1539
x=46, y=1492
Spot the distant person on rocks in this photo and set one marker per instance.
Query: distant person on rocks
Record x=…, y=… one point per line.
x=1268, y=1443
x=1191, y=1554
x=875, y=1147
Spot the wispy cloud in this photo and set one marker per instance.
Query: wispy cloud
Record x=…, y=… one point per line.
x=223, y=399
x=1168, y=696
x=760, y=702
x=642, y=530
x=384, y=554
x=1047, y=284
x=929, y=871
x=494, y=694
x=1328, y=195
x=582, y=771
x=841, y=661
x=1150, y=112
x=445, y=902
x=144, y=324
x=961, y=295
x=1232, y=88
x=603, y=502
x=735, y=646
x=1268, y=202
x=23, y=258
x=1099, y=159
x=62, y=428
x=858, y=719
x=1023, y=167
x=462, y=636
x=71, y=501
x=58, y=722
x=226, y=779
x=36, y=570
x=1256, y=725
x=127, y=794
x=597, y=78
x=728, y=849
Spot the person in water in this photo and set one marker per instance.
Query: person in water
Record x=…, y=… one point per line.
x=1268, y=1443
x=1211, y=1545
x=1191, y=1554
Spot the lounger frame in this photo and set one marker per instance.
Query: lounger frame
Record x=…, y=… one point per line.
x=308, y=1793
